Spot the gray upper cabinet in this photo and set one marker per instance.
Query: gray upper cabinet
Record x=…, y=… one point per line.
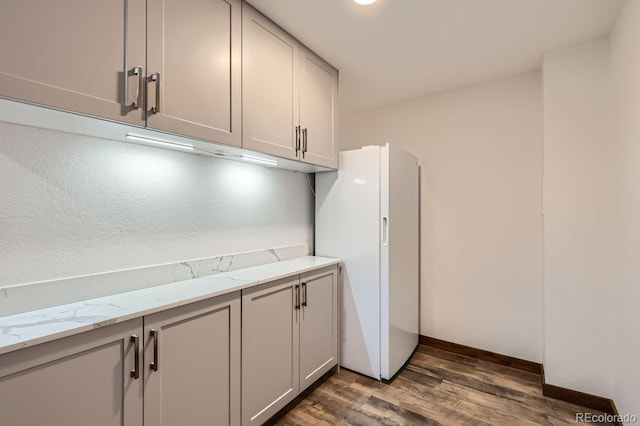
x=193, y=68
x=270, y=86
x=105, y=58
x=192, y=364
x=214, y=70
x=290, y=95
x=77, y=55
x=93, y=378
x=318, y=110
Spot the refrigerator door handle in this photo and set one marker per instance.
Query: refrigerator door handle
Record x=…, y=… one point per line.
x=385, y=231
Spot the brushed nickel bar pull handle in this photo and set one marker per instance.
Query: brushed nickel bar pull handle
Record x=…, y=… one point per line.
x=135, y=373
x=304, y=294
x=297, y=296
x=297, y=139
x=155, y=334
x=137, y=71
x=304, y=141
x=155, y=77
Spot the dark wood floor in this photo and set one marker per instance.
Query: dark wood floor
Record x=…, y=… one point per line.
x=436, y=388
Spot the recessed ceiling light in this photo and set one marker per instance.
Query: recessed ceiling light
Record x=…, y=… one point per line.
x=365, y=2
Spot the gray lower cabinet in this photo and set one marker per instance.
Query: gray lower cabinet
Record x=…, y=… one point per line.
x=289, y=340
x=182, y=365
x=270, y=337
x=92, y=378
x=192, y=364
x=185, y=365
x=318, y=324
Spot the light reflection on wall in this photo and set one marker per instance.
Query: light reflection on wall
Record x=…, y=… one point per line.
x=242, y=180
x=151, y=169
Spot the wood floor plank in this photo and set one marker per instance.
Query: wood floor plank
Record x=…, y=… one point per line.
x=435, y=388
x=524, y=376
x=478, y=373
x=455, y=399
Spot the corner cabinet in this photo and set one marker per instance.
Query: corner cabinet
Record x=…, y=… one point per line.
x=289, y=340
x=93, y=378
x=290, y=95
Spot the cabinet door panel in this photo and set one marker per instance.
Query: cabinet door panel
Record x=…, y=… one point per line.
x=318, y=109
x=270, y=345
x=195, y=47
x=318, y=325
x=70, y=54
x=270, y=86
x=198, y=375
x=79, y=380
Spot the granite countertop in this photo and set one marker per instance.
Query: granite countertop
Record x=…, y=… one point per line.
x=44, y=325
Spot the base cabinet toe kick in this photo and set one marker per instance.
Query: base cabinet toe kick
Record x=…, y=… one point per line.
x=237, y=358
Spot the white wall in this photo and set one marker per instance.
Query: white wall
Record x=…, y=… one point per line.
x=625, y=64
x=73, y=205
x=581, y=218
x=592, y=214
x=480, y=151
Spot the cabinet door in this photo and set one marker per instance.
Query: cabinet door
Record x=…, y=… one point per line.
x=318, y=110
x=194, y=50
x=75, y=55
x=318, y=324
x=79, y=380
x=270, y=91
x=192, y=364
x=270, y=345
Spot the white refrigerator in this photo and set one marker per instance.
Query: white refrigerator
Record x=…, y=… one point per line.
x=367, y=213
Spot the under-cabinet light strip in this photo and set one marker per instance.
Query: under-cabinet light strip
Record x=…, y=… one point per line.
x=259, y=160
x=159, y=142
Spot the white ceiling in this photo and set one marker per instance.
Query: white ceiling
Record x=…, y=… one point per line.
x=399, y=49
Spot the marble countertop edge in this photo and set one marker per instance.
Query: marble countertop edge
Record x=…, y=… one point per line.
x=44, y=325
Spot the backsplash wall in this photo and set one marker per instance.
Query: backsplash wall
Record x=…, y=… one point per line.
x=74, y=205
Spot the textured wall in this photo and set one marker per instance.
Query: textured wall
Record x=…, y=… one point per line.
x=480, y=148
x=73, y=205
